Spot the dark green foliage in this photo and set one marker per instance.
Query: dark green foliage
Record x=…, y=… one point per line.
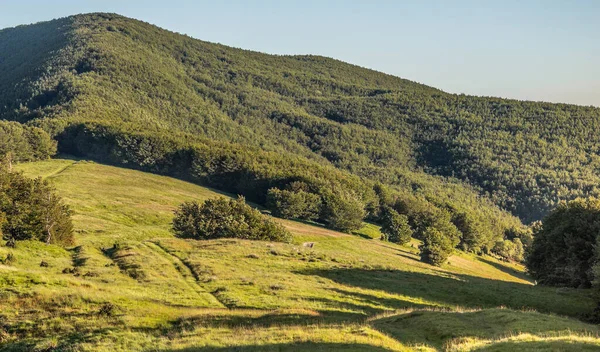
x=509, y=250
x=475, y=237
x=436, y=247
x=125, y=92
x=395, y=227
x=226, y=218
x=342, y=211
x=297, y=204
x=123, y=71
x=108, y=309
x=31, y=210
x=229, y=167
x=24, y=143
x=563, y=252
x=30, y=71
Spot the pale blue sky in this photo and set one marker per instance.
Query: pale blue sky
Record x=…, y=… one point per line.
x=530, y=49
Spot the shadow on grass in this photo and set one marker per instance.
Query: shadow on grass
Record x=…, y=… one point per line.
x=437, y=327
x=505, y=269
x=462, y=290
x=522, y=346
x=183, y=326
x=297, y=346
x=362, y=235
x=64, y=342
x=401, y=251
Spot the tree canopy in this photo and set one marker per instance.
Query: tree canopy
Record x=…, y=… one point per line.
x=563, y=251
x=30, y=209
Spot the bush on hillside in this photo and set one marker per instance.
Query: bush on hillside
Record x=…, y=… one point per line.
x=226, y=218
x=563, y=249
x=395, y=227
x=30, y=209
x=436, y=247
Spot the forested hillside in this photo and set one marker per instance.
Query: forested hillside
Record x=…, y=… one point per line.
x=360, y=188
x=126, y=92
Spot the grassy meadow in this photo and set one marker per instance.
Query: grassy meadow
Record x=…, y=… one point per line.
x=129, y=284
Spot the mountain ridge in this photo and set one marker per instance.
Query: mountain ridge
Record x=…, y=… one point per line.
x=125, y=72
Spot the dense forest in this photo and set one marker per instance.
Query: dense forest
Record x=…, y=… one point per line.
x=307, y=136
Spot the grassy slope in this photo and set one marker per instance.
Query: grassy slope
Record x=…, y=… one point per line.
x=348, y=293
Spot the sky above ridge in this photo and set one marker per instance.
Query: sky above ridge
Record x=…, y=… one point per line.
x=545, y=50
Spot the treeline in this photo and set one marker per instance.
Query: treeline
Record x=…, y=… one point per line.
x=307, y=136
x=343, y=199
x=30, y=209
x=524, y=156
x=24, y=143
x=292, y=187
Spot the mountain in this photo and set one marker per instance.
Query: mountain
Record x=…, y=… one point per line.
x=146, y=119
x=114, y=76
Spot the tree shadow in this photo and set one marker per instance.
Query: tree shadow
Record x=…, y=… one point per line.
x=505, y=269
x=64, y=342
x=293, y=346
x=462, y=290
x=435, y=328
x=355, y=233
x=388, y=303
x=268, y=319
x=522, y=346
x=401, y=252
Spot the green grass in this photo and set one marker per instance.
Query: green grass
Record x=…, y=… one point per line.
x=349, y=292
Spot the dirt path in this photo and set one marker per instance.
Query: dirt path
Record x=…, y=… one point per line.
x=186, y=272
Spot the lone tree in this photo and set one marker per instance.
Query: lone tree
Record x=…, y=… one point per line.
x=30, y=209
x=226, y=218
x=395, y=227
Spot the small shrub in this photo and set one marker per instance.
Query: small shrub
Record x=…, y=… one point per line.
x=11, y=243
x=277, y=287
x=31, y=210
x=226, y=218
x=253, y=256
x=108, y=310
x=44, y=264
x=74, y=271
x=9, y=260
